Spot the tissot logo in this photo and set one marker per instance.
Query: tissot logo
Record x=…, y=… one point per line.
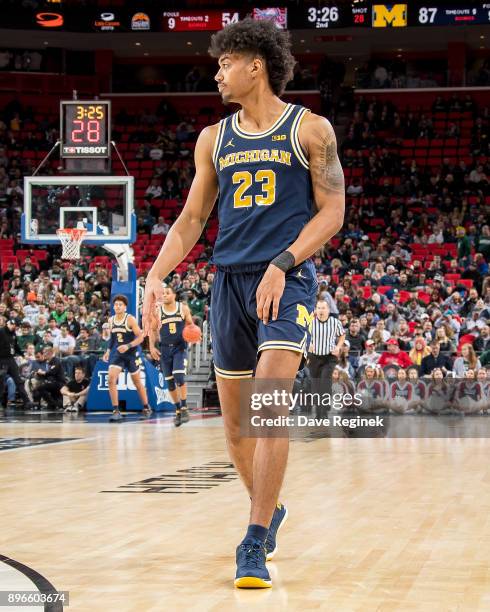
x=49, y=20
x=85, y=150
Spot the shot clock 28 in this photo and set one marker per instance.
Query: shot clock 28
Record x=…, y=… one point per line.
x=85, y=128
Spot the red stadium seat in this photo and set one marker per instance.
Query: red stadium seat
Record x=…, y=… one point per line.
x=7, y=259
x=452, y=277
x=403, y=296
x=40, y=255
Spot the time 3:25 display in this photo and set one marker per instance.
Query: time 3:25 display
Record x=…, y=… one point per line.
x=90, y=112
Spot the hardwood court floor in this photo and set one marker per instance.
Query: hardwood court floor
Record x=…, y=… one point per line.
x=375, y=524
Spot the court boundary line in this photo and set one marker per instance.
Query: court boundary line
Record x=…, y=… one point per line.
x=43, y=585
x=47, y=444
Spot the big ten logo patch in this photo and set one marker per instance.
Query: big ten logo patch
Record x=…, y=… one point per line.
x=124, y=382
x=304, y=318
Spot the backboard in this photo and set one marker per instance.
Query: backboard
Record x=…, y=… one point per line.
x=103, y=205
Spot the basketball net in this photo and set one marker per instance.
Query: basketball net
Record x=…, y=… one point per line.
x=71, y=241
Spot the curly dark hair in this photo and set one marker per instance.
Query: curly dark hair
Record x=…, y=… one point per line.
x=261, y=38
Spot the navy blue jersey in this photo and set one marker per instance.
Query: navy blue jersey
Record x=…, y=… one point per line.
x=172, y=326
x=265, y=194
x=121, y=333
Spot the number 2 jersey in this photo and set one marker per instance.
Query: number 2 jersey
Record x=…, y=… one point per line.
x=121, y=334
x=265, y=193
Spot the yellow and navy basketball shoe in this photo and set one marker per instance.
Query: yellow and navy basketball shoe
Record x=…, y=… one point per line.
x=278, y=519
x=251, y=572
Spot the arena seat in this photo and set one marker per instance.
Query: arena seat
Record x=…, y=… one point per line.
x=452, y=277
x=8, y=259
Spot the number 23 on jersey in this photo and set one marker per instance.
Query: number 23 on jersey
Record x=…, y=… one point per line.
x=245, y=179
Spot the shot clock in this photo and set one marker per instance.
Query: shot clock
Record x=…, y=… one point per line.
x=85, y=129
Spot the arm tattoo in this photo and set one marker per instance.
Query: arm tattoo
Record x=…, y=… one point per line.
x=326, y=172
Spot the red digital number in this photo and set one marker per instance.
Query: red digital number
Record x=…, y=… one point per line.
x=93, y=131
x=92, y=128
x=76, y=135
x=358, y=18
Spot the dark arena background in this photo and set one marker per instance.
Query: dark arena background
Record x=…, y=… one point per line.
x=101, y=104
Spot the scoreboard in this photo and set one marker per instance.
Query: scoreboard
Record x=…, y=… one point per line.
x=335, y=16
x=392, y=15
x=194, y=21
x=213, y=20
x=323, y=14
x=432, y=14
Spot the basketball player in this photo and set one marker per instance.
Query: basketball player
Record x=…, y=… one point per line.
x=268, y=162
x=173, y=350
x=126, y=335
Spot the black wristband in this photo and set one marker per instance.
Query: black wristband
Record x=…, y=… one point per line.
x=284, y=261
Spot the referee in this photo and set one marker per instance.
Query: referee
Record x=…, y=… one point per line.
x=8, y=348
x=327, y=338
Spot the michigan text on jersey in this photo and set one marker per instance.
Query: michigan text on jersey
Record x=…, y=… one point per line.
x=255, y=155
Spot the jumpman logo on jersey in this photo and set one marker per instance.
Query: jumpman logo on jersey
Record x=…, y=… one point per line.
x=229, y=143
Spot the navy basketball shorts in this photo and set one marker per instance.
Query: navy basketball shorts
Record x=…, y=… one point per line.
x=129, y=361
x=173, y=360
x=238, y=335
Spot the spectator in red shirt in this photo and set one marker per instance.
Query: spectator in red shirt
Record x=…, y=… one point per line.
x=394, y=355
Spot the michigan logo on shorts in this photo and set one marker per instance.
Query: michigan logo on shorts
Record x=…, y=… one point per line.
x=304, y=318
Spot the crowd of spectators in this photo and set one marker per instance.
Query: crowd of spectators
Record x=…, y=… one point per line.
x=408, y=275
x=397, y=73
x=409, y=269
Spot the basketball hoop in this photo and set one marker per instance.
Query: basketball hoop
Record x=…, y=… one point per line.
x=71, y=241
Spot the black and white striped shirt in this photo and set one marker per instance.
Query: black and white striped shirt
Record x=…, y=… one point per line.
x=325, y=334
